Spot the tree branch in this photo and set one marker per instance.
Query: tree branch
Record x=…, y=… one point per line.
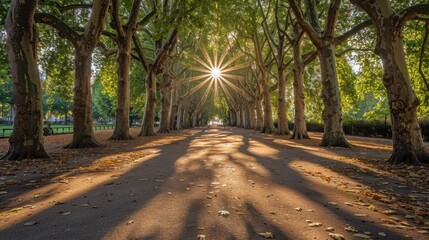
x=340, y=39
x=332, y=18
x=411, y=13
x=63, y=29
x=305, y=25
x=422, y=51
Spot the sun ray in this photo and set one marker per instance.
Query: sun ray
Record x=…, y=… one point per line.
x=233, y=59
x=200, y=85
x=196, y=78
x=196, y=58
x=205, y=95
x=200, y=69
x=243, y=93
x=215, y=58
x=222, y=57
x=231, y=76
x=206, y=55
x=236, y=67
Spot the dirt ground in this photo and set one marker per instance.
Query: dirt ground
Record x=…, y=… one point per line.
x=213, y=183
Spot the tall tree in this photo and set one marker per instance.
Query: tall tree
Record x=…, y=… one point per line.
x=124, y=39
x=278, y=48
x=84, y=44
x=163, y=39
x=407, y=140
x=27, y=137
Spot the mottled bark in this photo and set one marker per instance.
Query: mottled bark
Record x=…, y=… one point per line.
x=407, y=139
x=148, y=122
x=83, y=132
x=282, y=127
x=333, y=134
x=124, y=40
x=300, y=125
x=26, y=140
x=165, y=89
x=122, y=123
x=259, y=113
x=174, y=105
x=324, y=41
x=268, y=124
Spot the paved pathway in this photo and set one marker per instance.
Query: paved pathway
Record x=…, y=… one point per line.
x=223, y=183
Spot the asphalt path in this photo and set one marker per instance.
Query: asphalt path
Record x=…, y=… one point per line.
x=215, y=183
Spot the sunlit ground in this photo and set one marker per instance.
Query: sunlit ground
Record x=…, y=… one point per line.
x=223, y=183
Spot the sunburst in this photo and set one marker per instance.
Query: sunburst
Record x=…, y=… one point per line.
x=219, y=71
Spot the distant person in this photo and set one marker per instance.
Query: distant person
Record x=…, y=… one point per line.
x=47, y=130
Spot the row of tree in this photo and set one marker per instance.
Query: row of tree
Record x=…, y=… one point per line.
x=158, y=41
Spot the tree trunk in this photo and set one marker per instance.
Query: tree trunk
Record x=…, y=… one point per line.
x=122, y=123
x=259, y=113
x=174, y=105
x=26, y=140
x=333, y=134
x=251, y=115
x=147, y=128
x=282, y=126
x=300, y=125
x=164, y=125
x=408, y=144
x=268, y=125
x=83, y=132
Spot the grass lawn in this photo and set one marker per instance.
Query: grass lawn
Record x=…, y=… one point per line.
x=6, y=130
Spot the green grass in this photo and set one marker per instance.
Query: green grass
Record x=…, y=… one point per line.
x=58, y=129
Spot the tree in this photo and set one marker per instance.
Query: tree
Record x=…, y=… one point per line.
x=407, y=140
x=279, y=49
x=124, y=39
x=84, y=44
x=27, y=137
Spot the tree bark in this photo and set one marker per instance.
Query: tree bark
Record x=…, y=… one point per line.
x=83, y=132
x=408, y=144
x=164, y=125
x=259, y=113
x=268, y=124
x=26, y=140
x=282, y=127
x=148, y=122
x=333, y=134
x=300, y=125
x=122, y=123
x=174, y=105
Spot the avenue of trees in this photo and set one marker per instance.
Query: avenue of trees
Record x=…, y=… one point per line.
x=253, y=64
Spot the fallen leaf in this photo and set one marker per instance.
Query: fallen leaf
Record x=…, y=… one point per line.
x=30, y=223
x=423, y=231
x=330, y=229
x=3, y=192
x=84, y=205
x=382, y=234
x=333, y=203
x=298, y=209
x=130, y=222
x=361, y=235
x=66, y=213
x=266, y=234
x=201, y=237
x=223, y=213
x=360, y=215
x=350, y=229
x=201, y=228
x=316, y=224
x=336, y=236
